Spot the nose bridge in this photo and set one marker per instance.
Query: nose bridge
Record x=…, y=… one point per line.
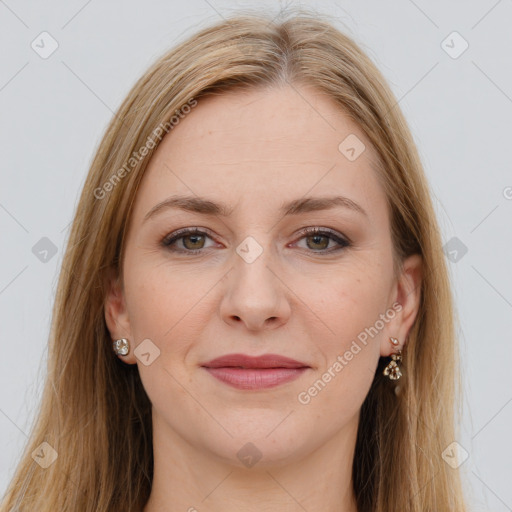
x=253, y=258
x=254, y=294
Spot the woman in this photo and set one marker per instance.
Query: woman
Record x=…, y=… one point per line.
x=255, y=312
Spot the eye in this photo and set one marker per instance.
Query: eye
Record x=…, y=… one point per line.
x=192, y=239
x=318, y=239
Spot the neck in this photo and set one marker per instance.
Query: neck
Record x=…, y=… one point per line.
x=186, y=478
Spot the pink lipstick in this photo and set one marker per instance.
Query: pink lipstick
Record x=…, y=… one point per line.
x=247, y=372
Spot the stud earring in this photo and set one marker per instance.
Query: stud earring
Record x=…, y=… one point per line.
x=392, y=370
x=121, y=347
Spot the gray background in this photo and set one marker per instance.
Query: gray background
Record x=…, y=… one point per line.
x=54, y=111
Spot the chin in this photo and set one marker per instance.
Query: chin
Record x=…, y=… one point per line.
x=262, y=449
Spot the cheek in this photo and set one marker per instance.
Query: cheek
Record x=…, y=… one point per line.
x=163, y=293
x=349, y=356
x=167, y=309
x=162, y=301
x=346, y=302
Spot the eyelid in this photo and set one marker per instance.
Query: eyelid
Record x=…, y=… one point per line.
x=188, y=230
x=182, y=232
x=340, y=237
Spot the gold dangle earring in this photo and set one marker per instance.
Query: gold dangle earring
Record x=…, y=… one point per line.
x=392, y=370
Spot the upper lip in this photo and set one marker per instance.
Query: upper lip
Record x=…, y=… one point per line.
x=246, y=361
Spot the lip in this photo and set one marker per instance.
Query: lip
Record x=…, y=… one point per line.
x=242, y=371
x=246, y=361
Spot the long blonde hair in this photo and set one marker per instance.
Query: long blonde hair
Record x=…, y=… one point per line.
x=94, y=411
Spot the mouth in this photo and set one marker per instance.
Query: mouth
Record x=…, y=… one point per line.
x=251, y=373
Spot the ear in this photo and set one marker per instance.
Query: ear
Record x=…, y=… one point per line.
x=407, y=293
x=116, y=314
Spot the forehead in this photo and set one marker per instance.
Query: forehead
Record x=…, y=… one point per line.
x=259, y=148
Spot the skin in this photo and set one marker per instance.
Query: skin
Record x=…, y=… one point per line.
x=255, y=150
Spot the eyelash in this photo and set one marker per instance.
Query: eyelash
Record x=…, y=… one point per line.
x=181, y=233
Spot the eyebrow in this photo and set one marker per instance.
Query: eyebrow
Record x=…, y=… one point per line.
x=296, y=207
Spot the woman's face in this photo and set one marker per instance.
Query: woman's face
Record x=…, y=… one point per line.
x=252, y=282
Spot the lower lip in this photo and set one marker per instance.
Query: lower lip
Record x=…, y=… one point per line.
x=249, y=378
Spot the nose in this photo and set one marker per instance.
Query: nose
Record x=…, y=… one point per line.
x=255, y=295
